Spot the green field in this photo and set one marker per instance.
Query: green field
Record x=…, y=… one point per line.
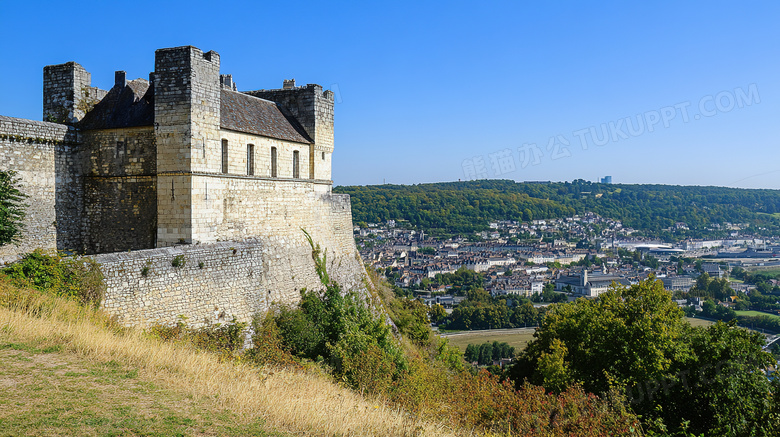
x=517, y=338
x=755, y=313
x=698, y=322
x=767, y=271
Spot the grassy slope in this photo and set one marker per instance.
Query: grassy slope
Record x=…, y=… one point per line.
x=45, y=391
x=190, y=392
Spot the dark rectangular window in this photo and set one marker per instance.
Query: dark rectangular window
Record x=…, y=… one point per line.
x=273, y=162
x=224, y=156
x=296, y=175
x=250, y=159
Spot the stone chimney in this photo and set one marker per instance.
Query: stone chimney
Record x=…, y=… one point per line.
x=226, y=81
x=120, y=78
x=288, y=84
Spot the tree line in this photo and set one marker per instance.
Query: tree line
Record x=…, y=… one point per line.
x=486, y=353
x=467, y=207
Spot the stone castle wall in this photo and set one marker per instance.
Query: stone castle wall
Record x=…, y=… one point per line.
x=187, y=117
x=45, y=157
x=158, y=186
x=223, y=280
x=120, y=190
x=237, y=156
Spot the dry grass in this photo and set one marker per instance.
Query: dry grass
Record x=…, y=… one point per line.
x=44, y=391
x=291, y=401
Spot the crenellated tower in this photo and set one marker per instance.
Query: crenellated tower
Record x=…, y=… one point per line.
x=68, y=93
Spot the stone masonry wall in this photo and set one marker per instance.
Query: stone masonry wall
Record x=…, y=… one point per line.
x=221, y=280
x=120, y=190
x=45, y=157
x=186, y=115
x=120, y=213
x=237, y=155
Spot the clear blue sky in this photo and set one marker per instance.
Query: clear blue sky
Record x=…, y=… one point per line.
x=441, y=91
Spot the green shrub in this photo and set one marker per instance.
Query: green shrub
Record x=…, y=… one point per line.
x=341, y=331
x=74, y=277
x=224, y=339
x=178, y=261
x=411, y=318
x=268, y=346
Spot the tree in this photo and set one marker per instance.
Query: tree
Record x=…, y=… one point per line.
x=524, y=315
x=12, y=208
x=722, y=387
x=605, y=338
x=486, y=354
x=437, y=314
x=635, y=340
x=479, y=295
x=472, y=353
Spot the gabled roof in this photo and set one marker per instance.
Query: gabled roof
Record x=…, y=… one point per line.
x=128, y=106
x=253, y=115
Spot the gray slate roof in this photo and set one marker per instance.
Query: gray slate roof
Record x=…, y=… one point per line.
x=128, y=106
x=243, y=113
x=133, y=105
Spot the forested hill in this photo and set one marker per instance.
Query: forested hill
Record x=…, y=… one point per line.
x=464, y=207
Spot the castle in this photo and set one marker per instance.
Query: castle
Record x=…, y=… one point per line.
x=183, y=166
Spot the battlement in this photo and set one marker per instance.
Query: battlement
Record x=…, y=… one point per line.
x=68, y=93
x=288, y=86
x=174, y=58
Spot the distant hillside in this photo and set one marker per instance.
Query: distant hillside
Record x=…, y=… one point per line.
x=464, y=207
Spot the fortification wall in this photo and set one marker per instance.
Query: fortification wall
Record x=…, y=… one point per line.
x=223, y=280
x=239, y=207
x=120, y=190
x=120, y=213
x=46, y=158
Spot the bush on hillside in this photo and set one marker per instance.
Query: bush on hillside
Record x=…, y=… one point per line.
x=75, y=277
x=340, y=330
